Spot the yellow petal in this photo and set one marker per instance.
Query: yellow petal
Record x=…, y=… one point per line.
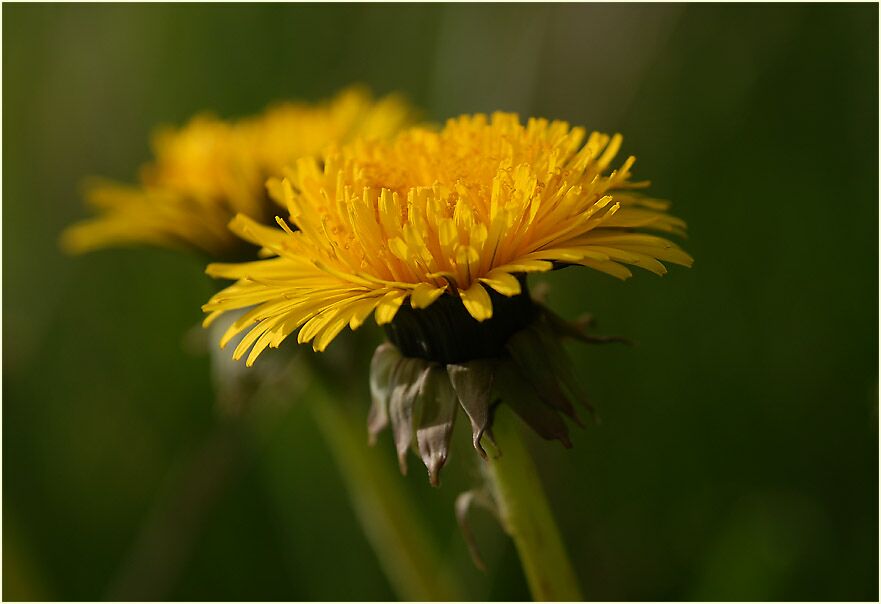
x=610, y=268
x=477, y=302
x=423, y=295
x=526, y=266
x=360, y=311
x=388, y=306
x=329, y=332
x=504, y=283
x=399, y=248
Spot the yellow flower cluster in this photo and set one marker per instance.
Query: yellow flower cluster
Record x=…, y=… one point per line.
x=378, y=223
x=430, y=230
x=209, y=170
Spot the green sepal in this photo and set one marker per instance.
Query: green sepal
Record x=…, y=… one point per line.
x=538, y=356
x=465, y=502
x=436, y=408
x=577, y=330
x=473, y=383
x=562, y=366
x=382, y=366
x=522, y=397
x=406, y=384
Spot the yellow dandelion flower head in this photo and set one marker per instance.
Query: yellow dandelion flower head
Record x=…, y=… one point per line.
x=195, y=160
x=457, y=214
x=288, y=131
x=209, y=170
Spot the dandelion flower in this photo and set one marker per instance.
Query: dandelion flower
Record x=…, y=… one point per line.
x=209, y=170
x=433, y=232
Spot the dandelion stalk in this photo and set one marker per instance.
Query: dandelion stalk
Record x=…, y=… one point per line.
x=387, y=514
x=527, y=517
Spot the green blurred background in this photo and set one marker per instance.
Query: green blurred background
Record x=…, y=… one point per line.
x=737, y=457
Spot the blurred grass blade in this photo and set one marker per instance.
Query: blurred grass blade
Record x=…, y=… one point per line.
x=390, y=520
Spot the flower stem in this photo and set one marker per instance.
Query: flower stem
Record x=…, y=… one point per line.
x=387, y=515
x=527, y=517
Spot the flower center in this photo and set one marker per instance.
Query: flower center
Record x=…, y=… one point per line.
x=446, y=333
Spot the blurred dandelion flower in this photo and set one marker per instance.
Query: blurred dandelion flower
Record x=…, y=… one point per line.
x=433, y=232
x=209, y=170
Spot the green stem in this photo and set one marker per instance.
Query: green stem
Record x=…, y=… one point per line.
x=387, y=515
x=527, y=516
